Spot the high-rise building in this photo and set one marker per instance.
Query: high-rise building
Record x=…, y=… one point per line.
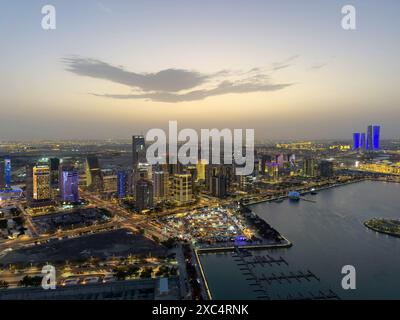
x=54, y=170
x=41, y=182
x=376, y=138
x=138, y=151
x=160, y=184
x=2, y=181
x=182, y=188
x=326, y=168
x=363, y=145
x=7, y=172
x=94, y=179
x=110, y=181
x=272, y=171
x=69, y=183
x=370, y=138
x=123, y=183
x=309, y=169
x=356, y=141
x=201, y=170
x=144, y=194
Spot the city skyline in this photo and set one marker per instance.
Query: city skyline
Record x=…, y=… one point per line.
x=286, y=69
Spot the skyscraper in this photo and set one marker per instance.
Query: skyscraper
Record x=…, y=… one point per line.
x=182, y=188
x=7, y=172
x=54, y=170
x=69, y=183
x=160, y=184
x=370, y=138
x=94, y=178
x=309, y=167
x=362, y=141
x=138, y=151
x=356, y=141
x=144, y=194
x=376, y=138
x=41, y=182
x=326, y=168
x=201, y=170
x=122, y=183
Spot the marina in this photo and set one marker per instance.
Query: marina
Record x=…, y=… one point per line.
x=338, y=238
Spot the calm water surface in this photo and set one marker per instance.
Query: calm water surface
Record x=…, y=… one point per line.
x=327, y=235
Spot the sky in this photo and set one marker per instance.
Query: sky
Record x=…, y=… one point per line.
x=116, y=68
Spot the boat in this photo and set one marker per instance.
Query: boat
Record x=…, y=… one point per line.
x=294, y=195
x=313, y=192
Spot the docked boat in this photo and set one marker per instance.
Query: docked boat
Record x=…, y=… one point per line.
x=313, y=192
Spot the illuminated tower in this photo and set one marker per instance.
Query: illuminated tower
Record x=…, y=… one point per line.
x=144, y=194
x=362, y=141
x=122, y=183
x=356, y=141
x=182, y=188
x=41, y=182
x=7, y=172
x=160, y=184
x=138, y=151
x=69, y=184
x=376, y=136
x=94, y=178
x=309, y=167
x=201, y=170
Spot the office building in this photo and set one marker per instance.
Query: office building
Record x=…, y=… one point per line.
x=309, y=169
x=376, y=138
x=54, y=171
x=94, y=179
x=69, y=183
x=7, y=172
x=326, y=168
x=370, y=138
x=138, y=151
x=123, y=183
x=160, y=184
x=182, y=188
x=110, y=181
x=41, y=183
x=144, y=194
x=363, y=145
x=201, y=170
x=356, y=141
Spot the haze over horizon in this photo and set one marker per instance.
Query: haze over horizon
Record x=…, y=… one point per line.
x=116, y=68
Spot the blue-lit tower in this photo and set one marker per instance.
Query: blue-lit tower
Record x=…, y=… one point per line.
x=376, y=135
x=356, y=141
x=7, y=172
x=362, y=141
x=122, y=179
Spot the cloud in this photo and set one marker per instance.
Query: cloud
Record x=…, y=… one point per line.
x=223, y=88
x=318, y=66
x=285, y=63
x=174, y=85
x=171, y=80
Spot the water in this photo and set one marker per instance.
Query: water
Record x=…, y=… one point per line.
x=327, y=235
